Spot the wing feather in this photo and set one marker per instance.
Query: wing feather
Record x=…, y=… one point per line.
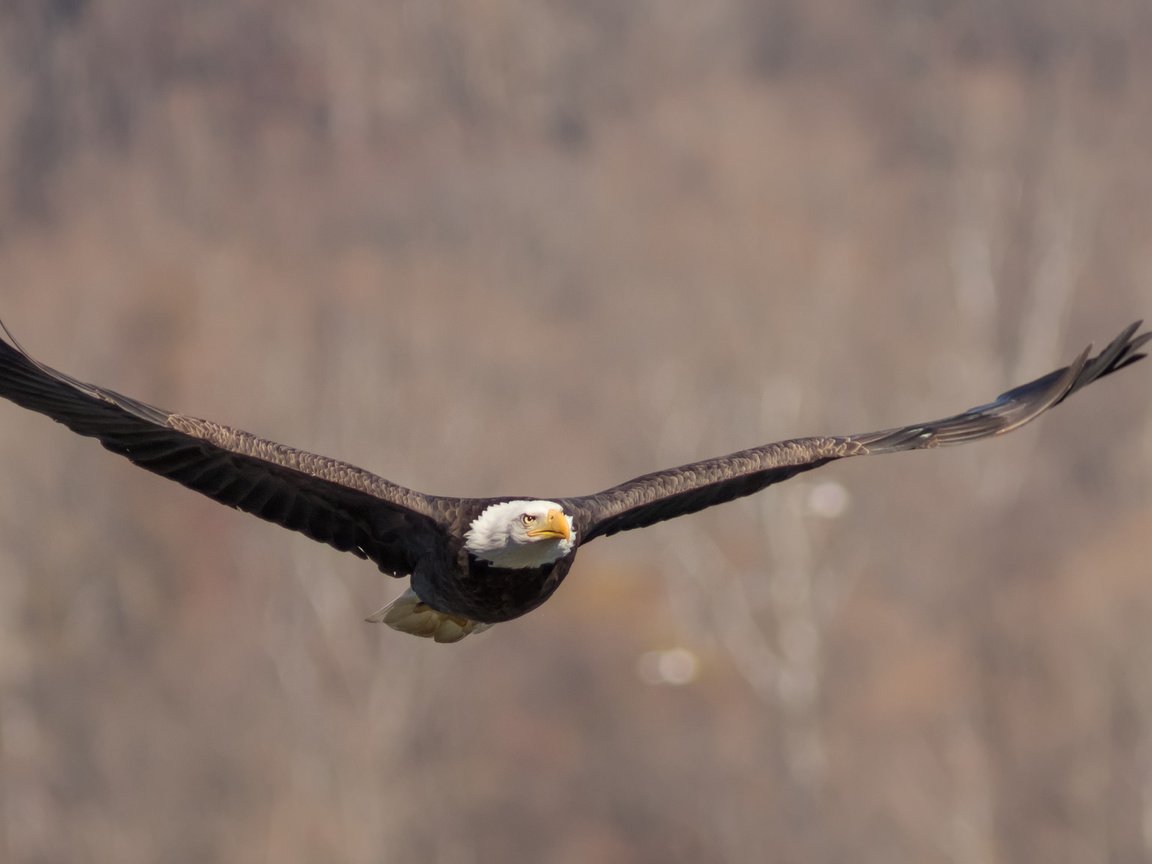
x=689, y=488
x=325, y=499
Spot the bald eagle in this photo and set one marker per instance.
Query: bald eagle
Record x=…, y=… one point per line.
x=474, y=562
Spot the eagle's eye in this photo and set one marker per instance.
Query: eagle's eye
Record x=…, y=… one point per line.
x=527, y=518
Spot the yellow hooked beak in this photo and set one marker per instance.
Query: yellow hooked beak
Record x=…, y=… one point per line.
x=554, y=527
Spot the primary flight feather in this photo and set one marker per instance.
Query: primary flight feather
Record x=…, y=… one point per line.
x=474, y=562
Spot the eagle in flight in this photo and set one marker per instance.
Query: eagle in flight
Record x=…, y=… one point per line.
x=474, y=562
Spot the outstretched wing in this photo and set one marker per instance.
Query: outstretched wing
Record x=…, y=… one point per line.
x=689, y=488
x=330, y=501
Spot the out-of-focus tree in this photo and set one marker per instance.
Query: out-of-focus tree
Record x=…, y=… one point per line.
x=510, y=247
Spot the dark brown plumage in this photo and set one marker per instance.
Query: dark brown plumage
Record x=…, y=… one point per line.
x=405, y=532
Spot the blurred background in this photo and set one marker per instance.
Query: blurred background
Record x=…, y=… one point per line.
x=537, y=248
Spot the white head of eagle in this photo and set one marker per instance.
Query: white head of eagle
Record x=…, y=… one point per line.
x=521, y=534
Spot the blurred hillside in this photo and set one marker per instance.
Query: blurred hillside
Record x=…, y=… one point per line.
x=505, y=248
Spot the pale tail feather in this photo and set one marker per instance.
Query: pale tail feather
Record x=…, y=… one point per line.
x=409, y=614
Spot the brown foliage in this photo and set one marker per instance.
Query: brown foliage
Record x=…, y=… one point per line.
x=509, y=247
